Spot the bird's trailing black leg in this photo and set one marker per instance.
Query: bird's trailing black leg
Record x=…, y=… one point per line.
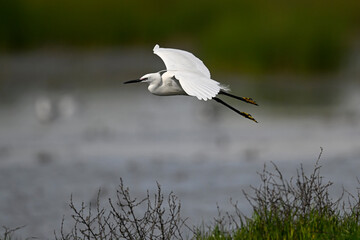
x=244, y=114
x=245, y=99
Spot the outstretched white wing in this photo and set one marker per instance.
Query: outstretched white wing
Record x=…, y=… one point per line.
x=176, y=59
x=197, y=85
x=193, y=75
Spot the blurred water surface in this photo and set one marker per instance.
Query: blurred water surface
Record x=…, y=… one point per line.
x=68, y=126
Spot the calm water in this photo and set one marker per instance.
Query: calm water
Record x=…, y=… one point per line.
x=58, y=138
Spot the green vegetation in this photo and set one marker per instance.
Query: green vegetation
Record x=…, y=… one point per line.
x=299, y=208
x=251, y=36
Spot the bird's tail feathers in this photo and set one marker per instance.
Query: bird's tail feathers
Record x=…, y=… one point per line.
x=224, y=88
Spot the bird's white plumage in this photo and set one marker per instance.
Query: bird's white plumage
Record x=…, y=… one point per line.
x=187, y=75
x=197, y=85
x=194, y=77
x=176, y=59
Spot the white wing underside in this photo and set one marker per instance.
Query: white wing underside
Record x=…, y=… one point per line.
x=197, y=85
x=193, y=75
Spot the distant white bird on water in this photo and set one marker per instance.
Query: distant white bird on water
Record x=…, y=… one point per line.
x=185, y=74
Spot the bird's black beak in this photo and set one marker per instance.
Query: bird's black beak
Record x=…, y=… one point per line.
x=133, y=81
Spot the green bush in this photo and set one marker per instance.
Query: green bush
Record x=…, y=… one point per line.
x=299, y=208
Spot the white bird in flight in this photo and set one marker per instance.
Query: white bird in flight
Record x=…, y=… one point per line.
x=185, y=74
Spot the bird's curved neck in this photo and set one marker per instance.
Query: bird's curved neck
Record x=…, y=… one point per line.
x=155, y=84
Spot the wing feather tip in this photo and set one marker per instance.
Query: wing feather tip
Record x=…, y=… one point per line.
x=156, y=47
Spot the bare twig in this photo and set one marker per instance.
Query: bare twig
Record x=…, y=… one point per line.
x=128, y=218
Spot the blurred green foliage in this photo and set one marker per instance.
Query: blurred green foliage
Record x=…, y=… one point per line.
x=251, y=36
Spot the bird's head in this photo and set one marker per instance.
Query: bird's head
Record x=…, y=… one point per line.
x=150, y=77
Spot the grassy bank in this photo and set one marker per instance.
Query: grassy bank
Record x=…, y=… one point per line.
x=296, y=208
x=300, y=208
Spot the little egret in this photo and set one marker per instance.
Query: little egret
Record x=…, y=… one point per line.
x=185, y=74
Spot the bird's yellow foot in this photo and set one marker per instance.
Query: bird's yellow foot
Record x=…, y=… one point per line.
x=249, y=100
x=247, y=115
